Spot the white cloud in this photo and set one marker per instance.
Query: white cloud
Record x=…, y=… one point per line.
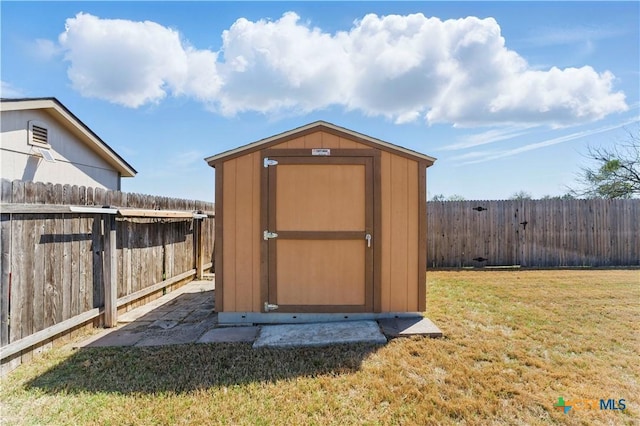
x=404, y=68
x=133, y=63
x=482, y=157
x=488, y=136
x=552, y=36
x=7, y=90
x=46, y=49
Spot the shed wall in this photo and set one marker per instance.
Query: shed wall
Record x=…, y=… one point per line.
x=321, y=140
x=241, y=234
x=399, y=237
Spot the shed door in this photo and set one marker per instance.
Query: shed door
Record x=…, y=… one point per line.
x=321, y=208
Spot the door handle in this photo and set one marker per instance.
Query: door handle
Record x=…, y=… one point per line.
x=368, y=238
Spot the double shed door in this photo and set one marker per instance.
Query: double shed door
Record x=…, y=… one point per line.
x=320, y=239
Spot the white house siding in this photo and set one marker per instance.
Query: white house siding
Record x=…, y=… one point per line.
x=76, y=163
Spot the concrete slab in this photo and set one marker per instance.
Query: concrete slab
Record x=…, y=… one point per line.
x=405, y=327
x=180, y=334
x=163, y=324
x=111, y=337
x=199, y=315
x=319, y=334
x=230, y=335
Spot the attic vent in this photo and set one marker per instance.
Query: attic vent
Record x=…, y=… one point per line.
x=38, y=134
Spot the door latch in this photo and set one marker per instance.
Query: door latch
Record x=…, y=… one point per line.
x=267, y=235
x=270, y=307
x=368, y=238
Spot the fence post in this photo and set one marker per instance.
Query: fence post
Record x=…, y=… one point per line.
x=197, y=235
x=110, y=273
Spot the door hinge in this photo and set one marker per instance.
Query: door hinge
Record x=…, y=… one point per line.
x=267, y=235
x=270, y=307
x=269, y=162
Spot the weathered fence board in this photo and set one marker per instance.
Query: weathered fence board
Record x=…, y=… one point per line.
x=52, y=263
x=534, y=233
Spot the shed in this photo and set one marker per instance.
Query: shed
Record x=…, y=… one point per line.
x=318, y=223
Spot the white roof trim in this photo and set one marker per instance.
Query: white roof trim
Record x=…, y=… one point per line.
x=61, y=113
x=309, y=126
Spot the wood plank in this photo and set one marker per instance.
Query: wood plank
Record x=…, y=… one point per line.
x=331, y=141
x=58, y=254
x=315, y=188
x=229, y=236
x=376, y=202
x=33, y=259
x=335, y=277
x=64, y=226
x=265, y=217
x=351, y=144
x=256, y=241
x=45, y=290
x=422, y=237
x=110, y=273
x=399, y=237
x=5, y=263
x=18, y=273
x=313, y=140
x=322, y=235
x=385, y=238
x=168, y=214
x=413, y=236
x=74, y=262
x=306, y=156
x=198, y=237
x=294, y=143
x=121, y=301
x=41, y=336
x=97, y=281
x=244, y=261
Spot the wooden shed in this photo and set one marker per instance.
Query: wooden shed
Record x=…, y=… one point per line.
x=317, y=223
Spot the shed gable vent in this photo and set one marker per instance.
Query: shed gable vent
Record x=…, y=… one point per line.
x=38, y=134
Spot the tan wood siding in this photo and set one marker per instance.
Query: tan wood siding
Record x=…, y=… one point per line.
x=342, y=284
x=400, y=283
x=241, y=232
x=399, y=269
x=320, y=140
x=314, y=188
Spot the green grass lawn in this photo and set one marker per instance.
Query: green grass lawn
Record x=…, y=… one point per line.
x=515, y=342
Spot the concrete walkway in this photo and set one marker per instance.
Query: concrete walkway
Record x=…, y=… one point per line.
x=187, y=315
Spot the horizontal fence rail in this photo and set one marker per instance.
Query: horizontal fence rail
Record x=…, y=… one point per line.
x=53, y=262
x=534, y=233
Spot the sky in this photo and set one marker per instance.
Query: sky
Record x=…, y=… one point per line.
x=507, y=96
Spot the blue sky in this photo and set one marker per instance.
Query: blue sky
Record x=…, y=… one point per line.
x=507, y=95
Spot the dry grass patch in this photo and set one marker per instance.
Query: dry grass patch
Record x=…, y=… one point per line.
x=515, y=342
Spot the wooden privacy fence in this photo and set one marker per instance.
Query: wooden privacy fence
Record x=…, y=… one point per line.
x=58, y=256
x=534, y=233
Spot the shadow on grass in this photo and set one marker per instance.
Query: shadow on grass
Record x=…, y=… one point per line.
x=184, y=368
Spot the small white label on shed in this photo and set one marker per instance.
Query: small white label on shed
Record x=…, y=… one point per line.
x=320, y=151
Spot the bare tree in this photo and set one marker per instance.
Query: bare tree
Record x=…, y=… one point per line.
x=520, y=195
x=616, y=173
x=442, y=197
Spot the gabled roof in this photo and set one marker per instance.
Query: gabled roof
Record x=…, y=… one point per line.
x=314, y=127
x=77, y=127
